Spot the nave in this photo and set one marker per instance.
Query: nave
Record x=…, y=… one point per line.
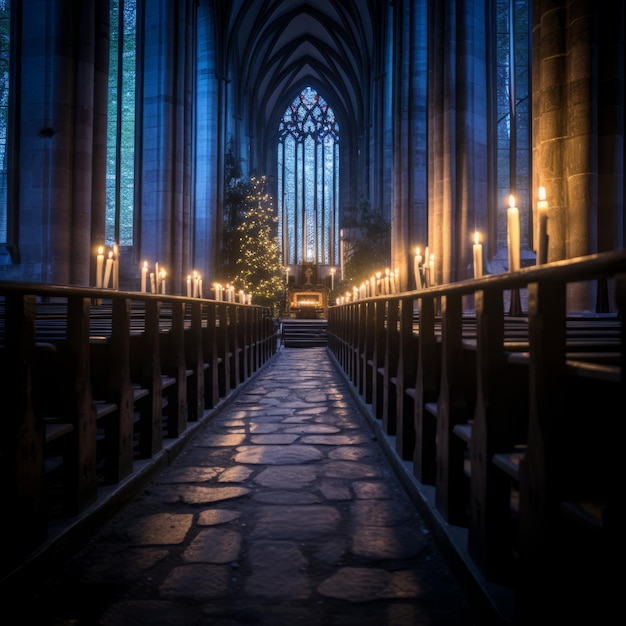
x=283, y=509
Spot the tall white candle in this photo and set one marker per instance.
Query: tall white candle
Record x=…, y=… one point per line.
x=478, y=256
x=417, y=269
x=144, y=277
x=107, y=271
x=162, y=276
x=189, y=286
x=153, y=288
x=542, y=218
x=99, y=266
x=195, y=284
x=513, y=235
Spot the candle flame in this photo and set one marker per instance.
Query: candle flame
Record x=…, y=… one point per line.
x=512, y=201
x=476, y=240
x=417, y=251
x=100, y=250
x=541, y=194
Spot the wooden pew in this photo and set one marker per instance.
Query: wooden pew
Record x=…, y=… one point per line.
x=425, y=393
x=524, y=458
x=376, y=362
x=408, y=347
x=211, y=352
x=196, y=362
x=388, y=371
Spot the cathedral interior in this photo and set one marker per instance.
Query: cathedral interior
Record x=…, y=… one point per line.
x=119, y=119
x=472, y=141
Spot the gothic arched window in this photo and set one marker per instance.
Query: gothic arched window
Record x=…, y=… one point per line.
x=308, y=181
x=120, y=176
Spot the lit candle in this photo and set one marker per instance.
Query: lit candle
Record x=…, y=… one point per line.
x=478, y=256
x=116, y=267
x=189, y=286
x=396, y=281
x=107, y=271
x=241, y=296
x=99, y=266
x=195, y=284
x=144, y=276
x=162, y=277
x=513, y=235
x=379, y=287
x=332, y=279
x=416, y=269
x=542, y=214
x=152, y=283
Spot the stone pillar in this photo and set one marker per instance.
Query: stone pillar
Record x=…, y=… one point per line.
x=409, y=209
x=457, y=151
x=578, y=128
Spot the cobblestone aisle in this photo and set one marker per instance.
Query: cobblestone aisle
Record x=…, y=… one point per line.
x=282, y=511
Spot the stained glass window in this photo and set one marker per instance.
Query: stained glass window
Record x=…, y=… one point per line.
x=308, y=181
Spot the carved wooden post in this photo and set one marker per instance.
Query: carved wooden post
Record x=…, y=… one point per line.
x=426, y=390
x=405, y=376
x=83, y=482
x=378, y=355
x=493, y=431
x=195, y=360
x=24, y=520
x=451, y=410
x=119, y=438
x=177, y=414
x=151, y=423
x=211, y=350
x=547, y=344
x=391, y=362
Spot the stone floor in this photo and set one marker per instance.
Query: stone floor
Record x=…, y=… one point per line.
x=283, y=510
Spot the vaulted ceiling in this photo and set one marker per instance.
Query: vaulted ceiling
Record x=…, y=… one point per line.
x=274, y=48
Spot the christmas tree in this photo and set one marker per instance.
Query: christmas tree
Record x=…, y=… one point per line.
x=256, y=267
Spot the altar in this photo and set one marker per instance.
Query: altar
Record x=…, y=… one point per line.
x=307, y=298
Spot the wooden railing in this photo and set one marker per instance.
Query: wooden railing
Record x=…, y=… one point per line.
x=97, y=386
x=510, y=424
